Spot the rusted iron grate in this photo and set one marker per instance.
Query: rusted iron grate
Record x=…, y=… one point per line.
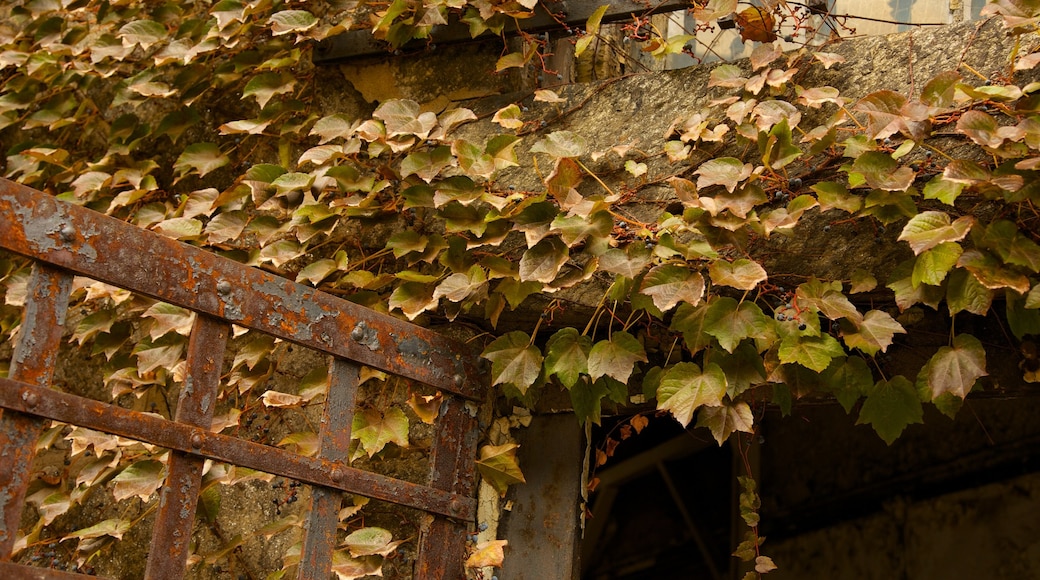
x=65, y=240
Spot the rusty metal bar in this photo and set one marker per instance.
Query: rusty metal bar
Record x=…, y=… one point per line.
x=547, y=17
x=43, y=228
x=319, y=540
x=35, y=356
x=442, y=547
x=115, y=420
x=171, y=534
x=13, y=571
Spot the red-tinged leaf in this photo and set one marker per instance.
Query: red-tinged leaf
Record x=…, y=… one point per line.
x=92, y=325
x=954, y=369
x=200, y=158
x=931, y=228
x=567, y=356
x=941, y=90
x=984, y=130
x=374, y=429
x=486, y=554
x=164, y=352
x=459, y=287
x=727, y=75
x=725, y=420
x=891, y=406
x=575, y=229
x=714, y=9
x=764, y=564
x=514, y=360
x=991, y=273
x=1004, y=239
x=499, y=467
x=730, y=322
x=884, y=113
x=542, y=263
x=670, y=284
x=828, y=59
x=833, y=195
x=140, y=479
x=616, y=357
x=725, y=171
x=862, y=281
x=742, y=274
x=347, y=568
x=264, y=86
x=685, y=388
x=874, y=333
x=628, y=262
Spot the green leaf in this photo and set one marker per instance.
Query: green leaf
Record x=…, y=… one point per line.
x=813, y=352
x=730, y=322
x=991, y=273
x=162, y=353
x=111, y=527
x=1021, y=320
x=499, y=467
x=744, y=368
x=413, y=298
x=1004, y=239
x=954, y=369
x=691, y=321
x=891, y=406
x=92, y=325
x=742, y=274
x=591, y=30
x=615, y=357
x=827, y=298
x=932, y=266
x=671, y=284
x=849, y=380
x=201, y=158
x=628, y=262
x=460, y=286
x=883, y=172
x=940, y=91
x=370, y=541
x=561, y=144
x=567, y=356
x=514, y=361
x=374, y=429
x=575, y=229
x=931, y=228
x=726, y=419
x=833, y=195
x=288, y=21
x=145, y=33
x=965, y=293
x=140, y=479
x=263, y=87
x=684, y=388
x=874, y=333
x=543, y=262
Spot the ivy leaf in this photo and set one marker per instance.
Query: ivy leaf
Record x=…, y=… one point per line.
x=145, y=33
x=874, y=332
x=742, y=274
x=279, y=399
x=288, y=21
x=591, y=30
x=543, y=262
x=941, y=90
x=849, y=380
x=403, y=117
x=1004, y=239
x=932, y=266
x=726, y=419
x=812, y=352
x=730, y=322
x=574, y=229
x=370, y=541
x=426, y=407
x=965, y=292
x=891, y=406
x=943, y=189
x=743, y=368
x=615, y=357
x=164, y=352
x=92, y=325
x=114, y=527
x=413, y=298
x=461, y=286
x=692, y=322
x=671, y=284
x=561, y=144
x=684, y=388
x=264, y=86
x=884, y=113
x=991, y=273
x=140, y=479
x=374, y=429
x=486, y=554
x=567, y=356
x=201, y=158
x=827, y=298
x=984, y=130
x=954, y=369
x=883, y=172
x=499, y=467
x=725, y=171
x=628, y=262
x=931, y=228
x=347, y=568
x=514, y=360
x=508, y=117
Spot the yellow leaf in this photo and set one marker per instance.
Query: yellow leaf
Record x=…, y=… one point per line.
x=487, y=554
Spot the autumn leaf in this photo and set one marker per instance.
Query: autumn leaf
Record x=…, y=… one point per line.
x=726, y=419
x=685, y=388
x=374, y=429
x=742, y=274
x=954, y=369
x=499, y=467
x=616, y=357
x=514, y=360
x=486, y=554
x=874, y=333
x=567, y=356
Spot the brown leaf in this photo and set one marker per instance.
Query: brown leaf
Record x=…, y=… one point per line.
x=756, y=24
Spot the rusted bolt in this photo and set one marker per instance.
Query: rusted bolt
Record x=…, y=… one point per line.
x=68, y=233
x=458, y=380
x=457, y=507
x=196, y=440
x=224, y=287
x=358, y=333
x=31, y=399
x=338, y=475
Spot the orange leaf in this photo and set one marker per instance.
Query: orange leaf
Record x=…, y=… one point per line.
x=756, y=24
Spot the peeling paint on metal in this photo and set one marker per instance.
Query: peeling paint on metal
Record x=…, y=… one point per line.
x=365, y=335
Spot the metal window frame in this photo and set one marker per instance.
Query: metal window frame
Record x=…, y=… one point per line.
x=65, y=240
